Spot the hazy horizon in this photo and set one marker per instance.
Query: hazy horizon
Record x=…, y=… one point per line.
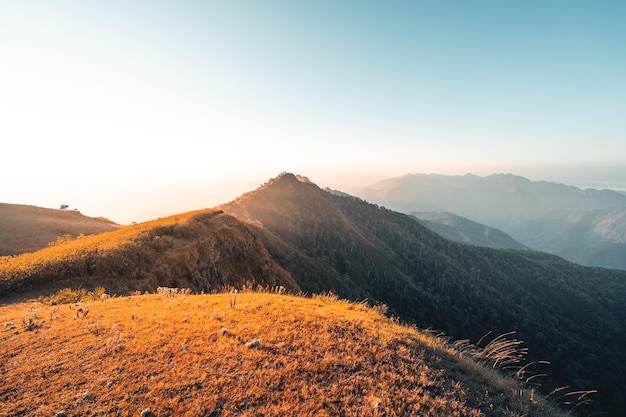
x=128, y=203
x=131, y=110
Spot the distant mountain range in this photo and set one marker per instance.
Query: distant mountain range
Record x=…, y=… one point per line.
x=589, y=237
x=584, y=226
x=291, y=233
x=29, y=228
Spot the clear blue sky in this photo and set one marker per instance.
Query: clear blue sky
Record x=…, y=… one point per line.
x=113, y=95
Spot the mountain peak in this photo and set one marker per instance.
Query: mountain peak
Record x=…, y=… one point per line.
x=284, y=181
x=289, y=177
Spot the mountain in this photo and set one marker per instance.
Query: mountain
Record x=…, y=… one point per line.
x=538, y=214
x=588, y=237
x=244, y=354
x=460, y=229
x=29, y=228
x=568, y=314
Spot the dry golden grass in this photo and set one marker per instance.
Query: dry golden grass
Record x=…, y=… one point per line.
x=66, y=250
x=245, y=354
x=203, y=249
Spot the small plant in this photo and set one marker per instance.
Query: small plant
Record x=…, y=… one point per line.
x=81, y=313
x=501, y=352
x=61, y=240
x=53, y=310
x=114, y=344
x=98, y=293
x=381, y=308
x=69, y=295
x=66, y=296
x=326, y=296
x=573, y=399
x=94, y=328
x=30, y=320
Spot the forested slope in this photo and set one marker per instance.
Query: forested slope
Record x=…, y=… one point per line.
x=567, y=314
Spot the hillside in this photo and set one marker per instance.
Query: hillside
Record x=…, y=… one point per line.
x=204, y=250
x=458, y=229
x=29, y=228
x=568, y=314
x=462, y=230
x=538, y=214
x=588, y=237
x=245, y=354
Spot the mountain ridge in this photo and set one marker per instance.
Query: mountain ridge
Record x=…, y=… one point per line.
x=512, y=204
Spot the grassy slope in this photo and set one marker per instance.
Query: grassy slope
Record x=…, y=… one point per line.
x=462, y=230
x=28, y=228
x=187, y=355
x=203, y=250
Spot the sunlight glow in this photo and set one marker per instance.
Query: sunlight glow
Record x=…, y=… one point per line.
x=99, y=96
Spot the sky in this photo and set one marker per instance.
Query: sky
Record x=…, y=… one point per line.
x=137, y=109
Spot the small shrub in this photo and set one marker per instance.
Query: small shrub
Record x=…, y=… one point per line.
x=94, y=328
x=114, y=344
x=69, y=295
x=30, y=320
x=99, y=292
x=81, y=313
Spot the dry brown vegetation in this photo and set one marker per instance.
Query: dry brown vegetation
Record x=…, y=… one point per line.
x=28, y=228
x=238, y=354
x=203, y=250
